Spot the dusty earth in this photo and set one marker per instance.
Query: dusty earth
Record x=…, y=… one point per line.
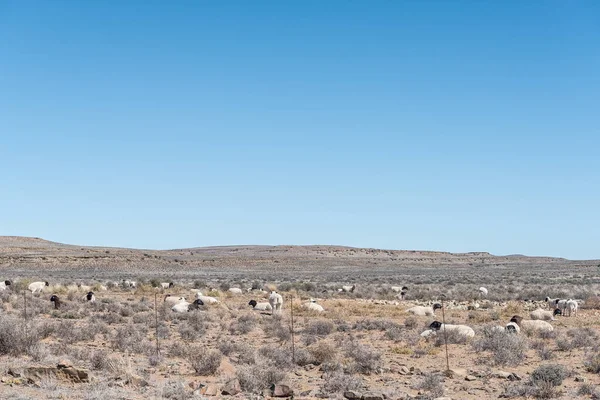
x=364, y=344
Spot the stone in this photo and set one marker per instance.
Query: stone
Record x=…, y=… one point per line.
x=470, y=378
x=352, y=395
x=232, y=388
x=458, y=372
x=282, y=391
x=514, y=377
x=372, y=396
x=580, y=379
x=404, y=370
x=210, y=390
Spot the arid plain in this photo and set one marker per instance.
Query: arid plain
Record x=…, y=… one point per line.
x=364, y=345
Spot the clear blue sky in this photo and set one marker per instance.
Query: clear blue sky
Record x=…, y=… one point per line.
x=434, y=125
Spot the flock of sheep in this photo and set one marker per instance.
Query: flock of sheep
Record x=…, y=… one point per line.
x=538, y=318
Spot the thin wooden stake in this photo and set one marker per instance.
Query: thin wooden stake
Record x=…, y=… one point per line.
x=445, y=335
x=156, y=323
x=25, y=304
x=293, y=345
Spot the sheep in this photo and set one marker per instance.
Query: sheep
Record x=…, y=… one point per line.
x=551, y=303
x=276, y=301
x=424, y=310
x=235, y=290
x=102, y=287
x=181, y=307
x=36, y=287
x=166, y=285
x=206, y=299
x=561, y=304
x=462, y=330
x=512, y=327
x=172, y=299
x=129, y=284
x=545, y=315
x=264, y=306
x=54, y=299
x=348, y=288
x=195, y=305
x=396, y=289
x=483, y=292
x=532, y=325
x=571, y=308
x=313, y=306
x=4, y=285
x=90, y=297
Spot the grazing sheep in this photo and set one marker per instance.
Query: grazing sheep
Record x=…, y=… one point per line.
x=561, y=304
x=528, y=325
x=172, y=299
x=264, y=306
x=551, y=302
x=90, y=297
x=348, y=288
x=36, y=287
x=483, y=292
x=4, y=285
x=571, y=308
x=276, y=301
x=462, y=330
x=54, y=298
x=423, y=311
x=396, y=289
x=206, y=299
x=313, y=306
x=544, y=315
x=167, y=285
x=235, y=290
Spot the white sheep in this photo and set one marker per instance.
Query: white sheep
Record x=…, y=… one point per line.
x=570, y=308
x=313, y=306
x=551, y=302
x=544, y=315
x=483, y=292
x=423, y=311
x=528, y=325
x=462, y=330
x=276, y=301
x=166, y=285
x=348, y=288
x=181, y=307
x=561, y=304
x=206, y=299
x=129, y=284
x=4, y=285
x=264, y=306
x=172, y=299
x=396, y=289
x=235, y=290
x=512, y=327
x=36, y=287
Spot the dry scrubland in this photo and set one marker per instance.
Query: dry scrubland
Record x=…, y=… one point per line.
x=358, y=344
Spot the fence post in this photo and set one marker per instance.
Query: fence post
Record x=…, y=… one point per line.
x=25, y=304
x=293, y=345
x=156, y=323
x=445, y=335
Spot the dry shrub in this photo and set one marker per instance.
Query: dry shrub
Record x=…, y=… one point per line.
x=506, y=348
x=592, y=303
x=337, y=382
x=432, y=384
x=366, y=359
x=19, y=337
x=323, y=352
x=256, y=378
x=204, y=361
x=320, y=327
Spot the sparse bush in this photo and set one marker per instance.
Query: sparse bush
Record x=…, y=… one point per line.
x=411, y=322
x=431, y=383
x=506, y=348
x=323, y=352
x=337, y=381
x=203, y=360
x=320, y=327
x=366, y=359
x=592, y=363
x=551, y=373
x=586, y=389
x=256, y=378
x=18, y=337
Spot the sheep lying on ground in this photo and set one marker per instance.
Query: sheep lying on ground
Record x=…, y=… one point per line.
x=528, y=325
x=437, y=326
x=171, y=299
x=423, y=311
x=206, y=299
x=4, y=285
x=347, y=288
x=544, y=315
x=313, y=306
x=483, y=292
x=276, y=301
x=264, y=306
x=184, y=306
x=90, y=297
x=166, y=285
x=36, y=287
x=235, y=290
